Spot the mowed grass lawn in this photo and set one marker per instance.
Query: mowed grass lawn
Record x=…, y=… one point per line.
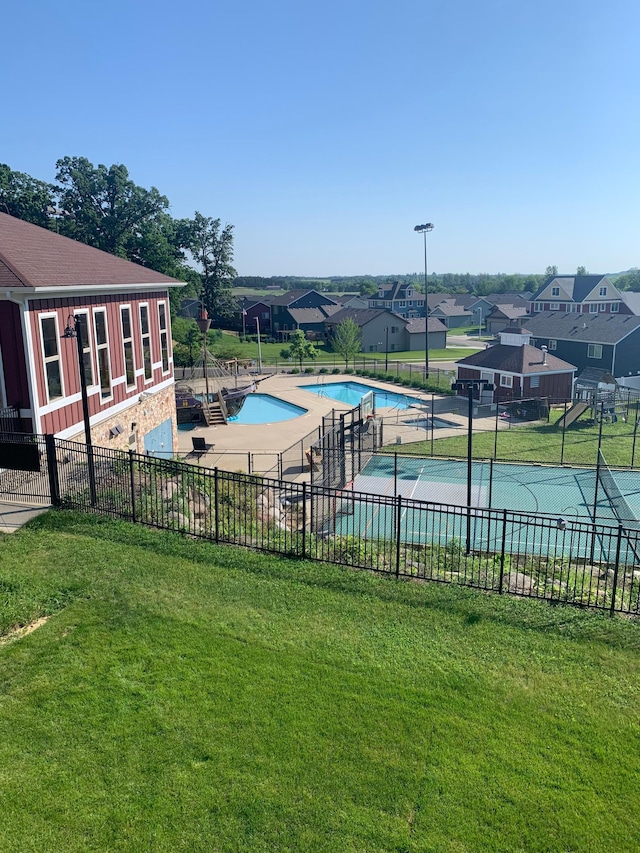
x=541, y=442
x=183, y=696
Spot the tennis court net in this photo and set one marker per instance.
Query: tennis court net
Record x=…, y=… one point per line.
x=620, y=506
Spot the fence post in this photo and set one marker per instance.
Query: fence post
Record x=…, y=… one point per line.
x=615, y=572
x=132, y=483
x=52, y=469
x=398, y=537
x=216, y=504
x=304, y=520
x=504, y=539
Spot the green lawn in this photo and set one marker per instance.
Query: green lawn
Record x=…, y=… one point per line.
x=183, y=696
x=541, y=443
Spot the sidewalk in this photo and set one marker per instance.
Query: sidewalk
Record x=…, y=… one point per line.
x=14, y=515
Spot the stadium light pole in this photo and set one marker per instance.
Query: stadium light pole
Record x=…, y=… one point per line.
x=470, y=385
x=424, y=229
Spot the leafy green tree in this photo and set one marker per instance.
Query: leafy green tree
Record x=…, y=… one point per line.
x=107, y=210
x=551, y=270
x=582, y=271
x=347, y=340
x=25, y=197
x=212, y=247
x=299, y=348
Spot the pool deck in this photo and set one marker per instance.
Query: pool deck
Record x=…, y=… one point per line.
x=231, y=444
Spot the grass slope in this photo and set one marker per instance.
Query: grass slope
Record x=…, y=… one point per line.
x=183, y=696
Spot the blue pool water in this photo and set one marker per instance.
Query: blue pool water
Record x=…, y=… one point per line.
x=352, y=392
x=265, y=409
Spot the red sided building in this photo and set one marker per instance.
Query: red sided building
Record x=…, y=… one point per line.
x=123, y=309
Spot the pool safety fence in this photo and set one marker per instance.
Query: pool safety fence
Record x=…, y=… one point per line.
x=347, y=443
x=573, y=561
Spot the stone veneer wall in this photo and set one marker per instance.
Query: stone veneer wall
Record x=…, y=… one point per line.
x=148, y=410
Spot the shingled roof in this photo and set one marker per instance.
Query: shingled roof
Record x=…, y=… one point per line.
x=524, y=360
x=33, y=258
x=602, y=328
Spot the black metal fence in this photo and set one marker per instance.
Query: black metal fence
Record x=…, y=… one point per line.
x=576, y=562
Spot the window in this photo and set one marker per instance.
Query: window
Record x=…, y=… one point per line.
x=402, y=303
x=554, y=306
x=555, y=291
x=506, y=381
x=593, y=308
x=164, y=336
x=87, y=360
x=145, y=334
x=127, y=347
x=409, y=293
x=265, y=315
x=394, y=330
x=534, y=382
x=615, y=307
x=603, y=291
x=102, y=353
x=594, y=351
x=603, y=306
x=553, y=345
x=51, y=355
x=387, y=304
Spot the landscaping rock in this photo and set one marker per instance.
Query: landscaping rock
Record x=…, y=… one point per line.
x=519, y=582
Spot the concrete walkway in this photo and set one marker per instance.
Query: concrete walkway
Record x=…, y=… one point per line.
x=14, y=515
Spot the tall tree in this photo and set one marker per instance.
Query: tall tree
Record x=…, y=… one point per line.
x=105, y=209
x=551, y=270
x=212, y=247
x=347, y=340
x=25, y=197
x=582, y=271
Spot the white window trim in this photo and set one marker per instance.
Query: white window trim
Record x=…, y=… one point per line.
x=602, y=307
x=99, y=347
x=133, y=347
x=47, y=316
x=506, y=380
x=553, y=344
x=602, y=291
x=142, y=305
x=593, y=308
x=88, y=344
x=591, y=351
x=554, y=306
x=555, y=291
x=615, y=307
x=165, y=331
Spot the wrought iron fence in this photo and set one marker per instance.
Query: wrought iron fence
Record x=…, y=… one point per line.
x=579, y=562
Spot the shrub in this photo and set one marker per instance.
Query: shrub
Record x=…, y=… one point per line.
x=308, y=369
x=336, y=370
x=323, y=370
x=295, y=370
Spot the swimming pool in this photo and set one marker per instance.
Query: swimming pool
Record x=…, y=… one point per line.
x=265, y=409
x=352, y=392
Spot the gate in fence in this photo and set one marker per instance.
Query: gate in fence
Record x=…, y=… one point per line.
x=26, y=468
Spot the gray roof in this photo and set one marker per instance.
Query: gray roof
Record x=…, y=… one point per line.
x=510, y=312
x=449, y=309
x=293, y=295
x=313, y=315
x=416, y=326
x=601, y=328
x=578, y=287
x=362, y=316
x=525, y=360
x=631, y=300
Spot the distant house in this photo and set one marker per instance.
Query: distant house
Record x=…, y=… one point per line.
x=401, y=299
x=453, y=316
x=518, y=370
x=502, y=316
x=286, y=316
x=606, y=341
x=580, y=294
x=416, y=334
x=382, y=329
x=252, y=310
x=123, y=310
x=631, y=300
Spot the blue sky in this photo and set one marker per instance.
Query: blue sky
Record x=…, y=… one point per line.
x=325, y=132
